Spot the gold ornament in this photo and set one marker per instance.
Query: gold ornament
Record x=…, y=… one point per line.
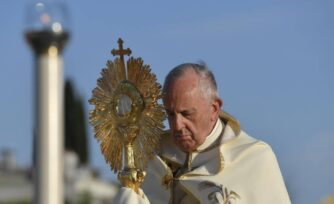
x=127, y=119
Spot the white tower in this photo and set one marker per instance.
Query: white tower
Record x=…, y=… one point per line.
x=47, y=35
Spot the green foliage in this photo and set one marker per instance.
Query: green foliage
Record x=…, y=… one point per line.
x=85, y=198
x=75, y=124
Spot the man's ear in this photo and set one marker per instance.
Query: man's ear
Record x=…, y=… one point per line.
x=216, y=107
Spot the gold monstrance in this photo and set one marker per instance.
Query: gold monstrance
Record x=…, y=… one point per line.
x=127, y=119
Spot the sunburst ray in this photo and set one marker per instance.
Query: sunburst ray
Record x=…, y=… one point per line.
x=109, y=125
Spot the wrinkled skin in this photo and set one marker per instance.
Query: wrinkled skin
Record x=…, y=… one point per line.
x=191, y=116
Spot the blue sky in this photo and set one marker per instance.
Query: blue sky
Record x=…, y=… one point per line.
x=273, y=61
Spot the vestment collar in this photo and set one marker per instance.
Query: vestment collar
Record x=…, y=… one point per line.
x=213, y=136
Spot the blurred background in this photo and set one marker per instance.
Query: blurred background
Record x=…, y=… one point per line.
x=273, y=61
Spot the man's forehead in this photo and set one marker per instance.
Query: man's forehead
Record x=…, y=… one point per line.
x=182, y=99
x=183, y=91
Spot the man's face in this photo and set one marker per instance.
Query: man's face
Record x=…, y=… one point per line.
x=191, y=116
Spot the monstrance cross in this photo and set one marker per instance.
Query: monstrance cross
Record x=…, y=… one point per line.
x=121, y=52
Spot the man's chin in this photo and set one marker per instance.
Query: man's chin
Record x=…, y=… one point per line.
x=186, y=147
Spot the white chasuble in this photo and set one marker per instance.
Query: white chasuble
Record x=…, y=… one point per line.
x=238, y=169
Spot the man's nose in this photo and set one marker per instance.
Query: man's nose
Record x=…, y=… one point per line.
x=178, y=122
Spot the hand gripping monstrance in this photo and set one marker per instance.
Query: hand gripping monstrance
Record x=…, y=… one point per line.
x=127, y=119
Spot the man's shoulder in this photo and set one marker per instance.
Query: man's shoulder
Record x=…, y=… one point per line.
x=241, y=137
x=245, y=139
x=246, y=145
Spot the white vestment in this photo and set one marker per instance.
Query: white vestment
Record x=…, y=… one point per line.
x=230, y=167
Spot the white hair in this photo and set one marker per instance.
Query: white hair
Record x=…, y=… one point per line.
x=207, y=82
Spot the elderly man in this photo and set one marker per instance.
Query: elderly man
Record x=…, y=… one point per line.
x=206, y=157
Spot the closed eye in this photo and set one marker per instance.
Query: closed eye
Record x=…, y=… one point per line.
x=188, y=113
x=185, y=113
